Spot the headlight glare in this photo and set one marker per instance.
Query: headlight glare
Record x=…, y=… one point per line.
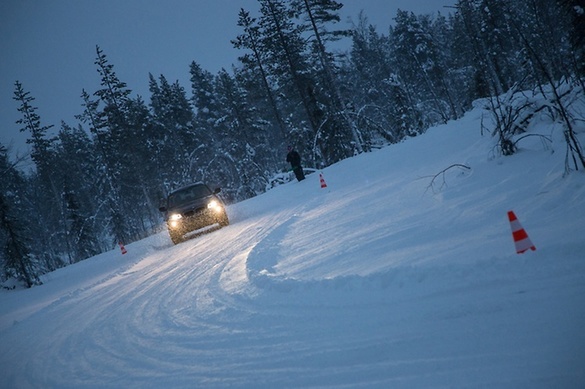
x=214, y=204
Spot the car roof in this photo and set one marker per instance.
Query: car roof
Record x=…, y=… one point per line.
x=188, y=186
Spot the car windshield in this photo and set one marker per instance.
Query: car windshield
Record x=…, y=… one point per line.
x=188, y=194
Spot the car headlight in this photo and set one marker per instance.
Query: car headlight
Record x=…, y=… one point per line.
x=174, y=220
x=214, y=205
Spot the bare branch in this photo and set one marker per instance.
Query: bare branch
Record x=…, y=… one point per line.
x=441, y=174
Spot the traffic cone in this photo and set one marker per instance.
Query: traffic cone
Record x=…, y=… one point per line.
x=122, y=248
x=322, y=180
x=521, y=239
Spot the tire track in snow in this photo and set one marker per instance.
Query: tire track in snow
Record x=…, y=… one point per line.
x=172, y=309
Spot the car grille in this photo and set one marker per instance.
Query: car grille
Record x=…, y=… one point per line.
x=194, y=212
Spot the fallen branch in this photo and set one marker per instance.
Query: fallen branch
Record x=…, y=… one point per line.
x=442, y=175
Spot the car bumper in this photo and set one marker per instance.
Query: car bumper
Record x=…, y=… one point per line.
x=195, y=222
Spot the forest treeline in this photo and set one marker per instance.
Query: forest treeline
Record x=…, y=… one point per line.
x=98, y=181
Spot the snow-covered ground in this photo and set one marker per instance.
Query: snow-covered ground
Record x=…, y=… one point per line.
x=384, y=279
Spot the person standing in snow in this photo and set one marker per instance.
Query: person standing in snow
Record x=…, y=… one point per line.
x=294, y=159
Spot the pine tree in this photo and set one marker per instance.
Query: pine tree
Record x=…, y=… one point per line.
x=108, y=125
x=84, y=219
x=47, y=196
x=341, y=131
x=203, y=94
x=126, y=135
x=206, y=117
x=383, y=102
x=488, y=73
x=251, y=40
x=418, y=64
x=16, y=258
x=285, y=52
x=41, y=145
x=140, y=172
x=239, y=132
x=173, y=138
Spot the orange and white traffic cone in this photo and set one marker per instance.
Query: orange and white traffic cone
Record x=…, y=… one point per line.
x=322, y=180
x=521, y=239
x=122, y=248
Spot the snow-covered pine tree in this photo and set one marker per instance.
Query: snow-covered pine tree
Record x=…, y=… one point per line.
x=77, y=165
x=173, y=139
x=417, y=62
x=285, y=54
x=254, y=64
x=16, y=257
x=108, y=123
x=47, y=197
x=206, y=117
x=341, y=133
x=382, y=102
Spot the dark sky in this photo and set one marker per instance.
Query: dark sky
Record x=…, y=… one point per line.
x=49, y=46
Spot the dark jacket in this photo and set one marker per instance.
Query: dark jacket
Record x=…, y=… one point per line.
x=294, y=158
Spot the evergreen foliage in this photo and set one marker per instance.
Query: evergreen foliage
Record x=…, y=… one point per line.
x=99, y=182
x=16, y=258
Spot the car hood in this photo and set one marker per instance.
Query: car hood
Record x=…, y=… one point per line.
x=190, y=206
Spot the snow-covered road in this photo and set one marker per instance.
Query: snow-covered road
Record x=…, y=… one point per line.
x=379, y=280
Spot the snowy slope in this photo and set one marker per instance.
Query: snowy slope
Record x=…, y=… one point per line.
x=384, y=279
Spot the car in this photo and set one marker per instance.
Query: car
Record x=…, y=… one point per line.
x=191, y=208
